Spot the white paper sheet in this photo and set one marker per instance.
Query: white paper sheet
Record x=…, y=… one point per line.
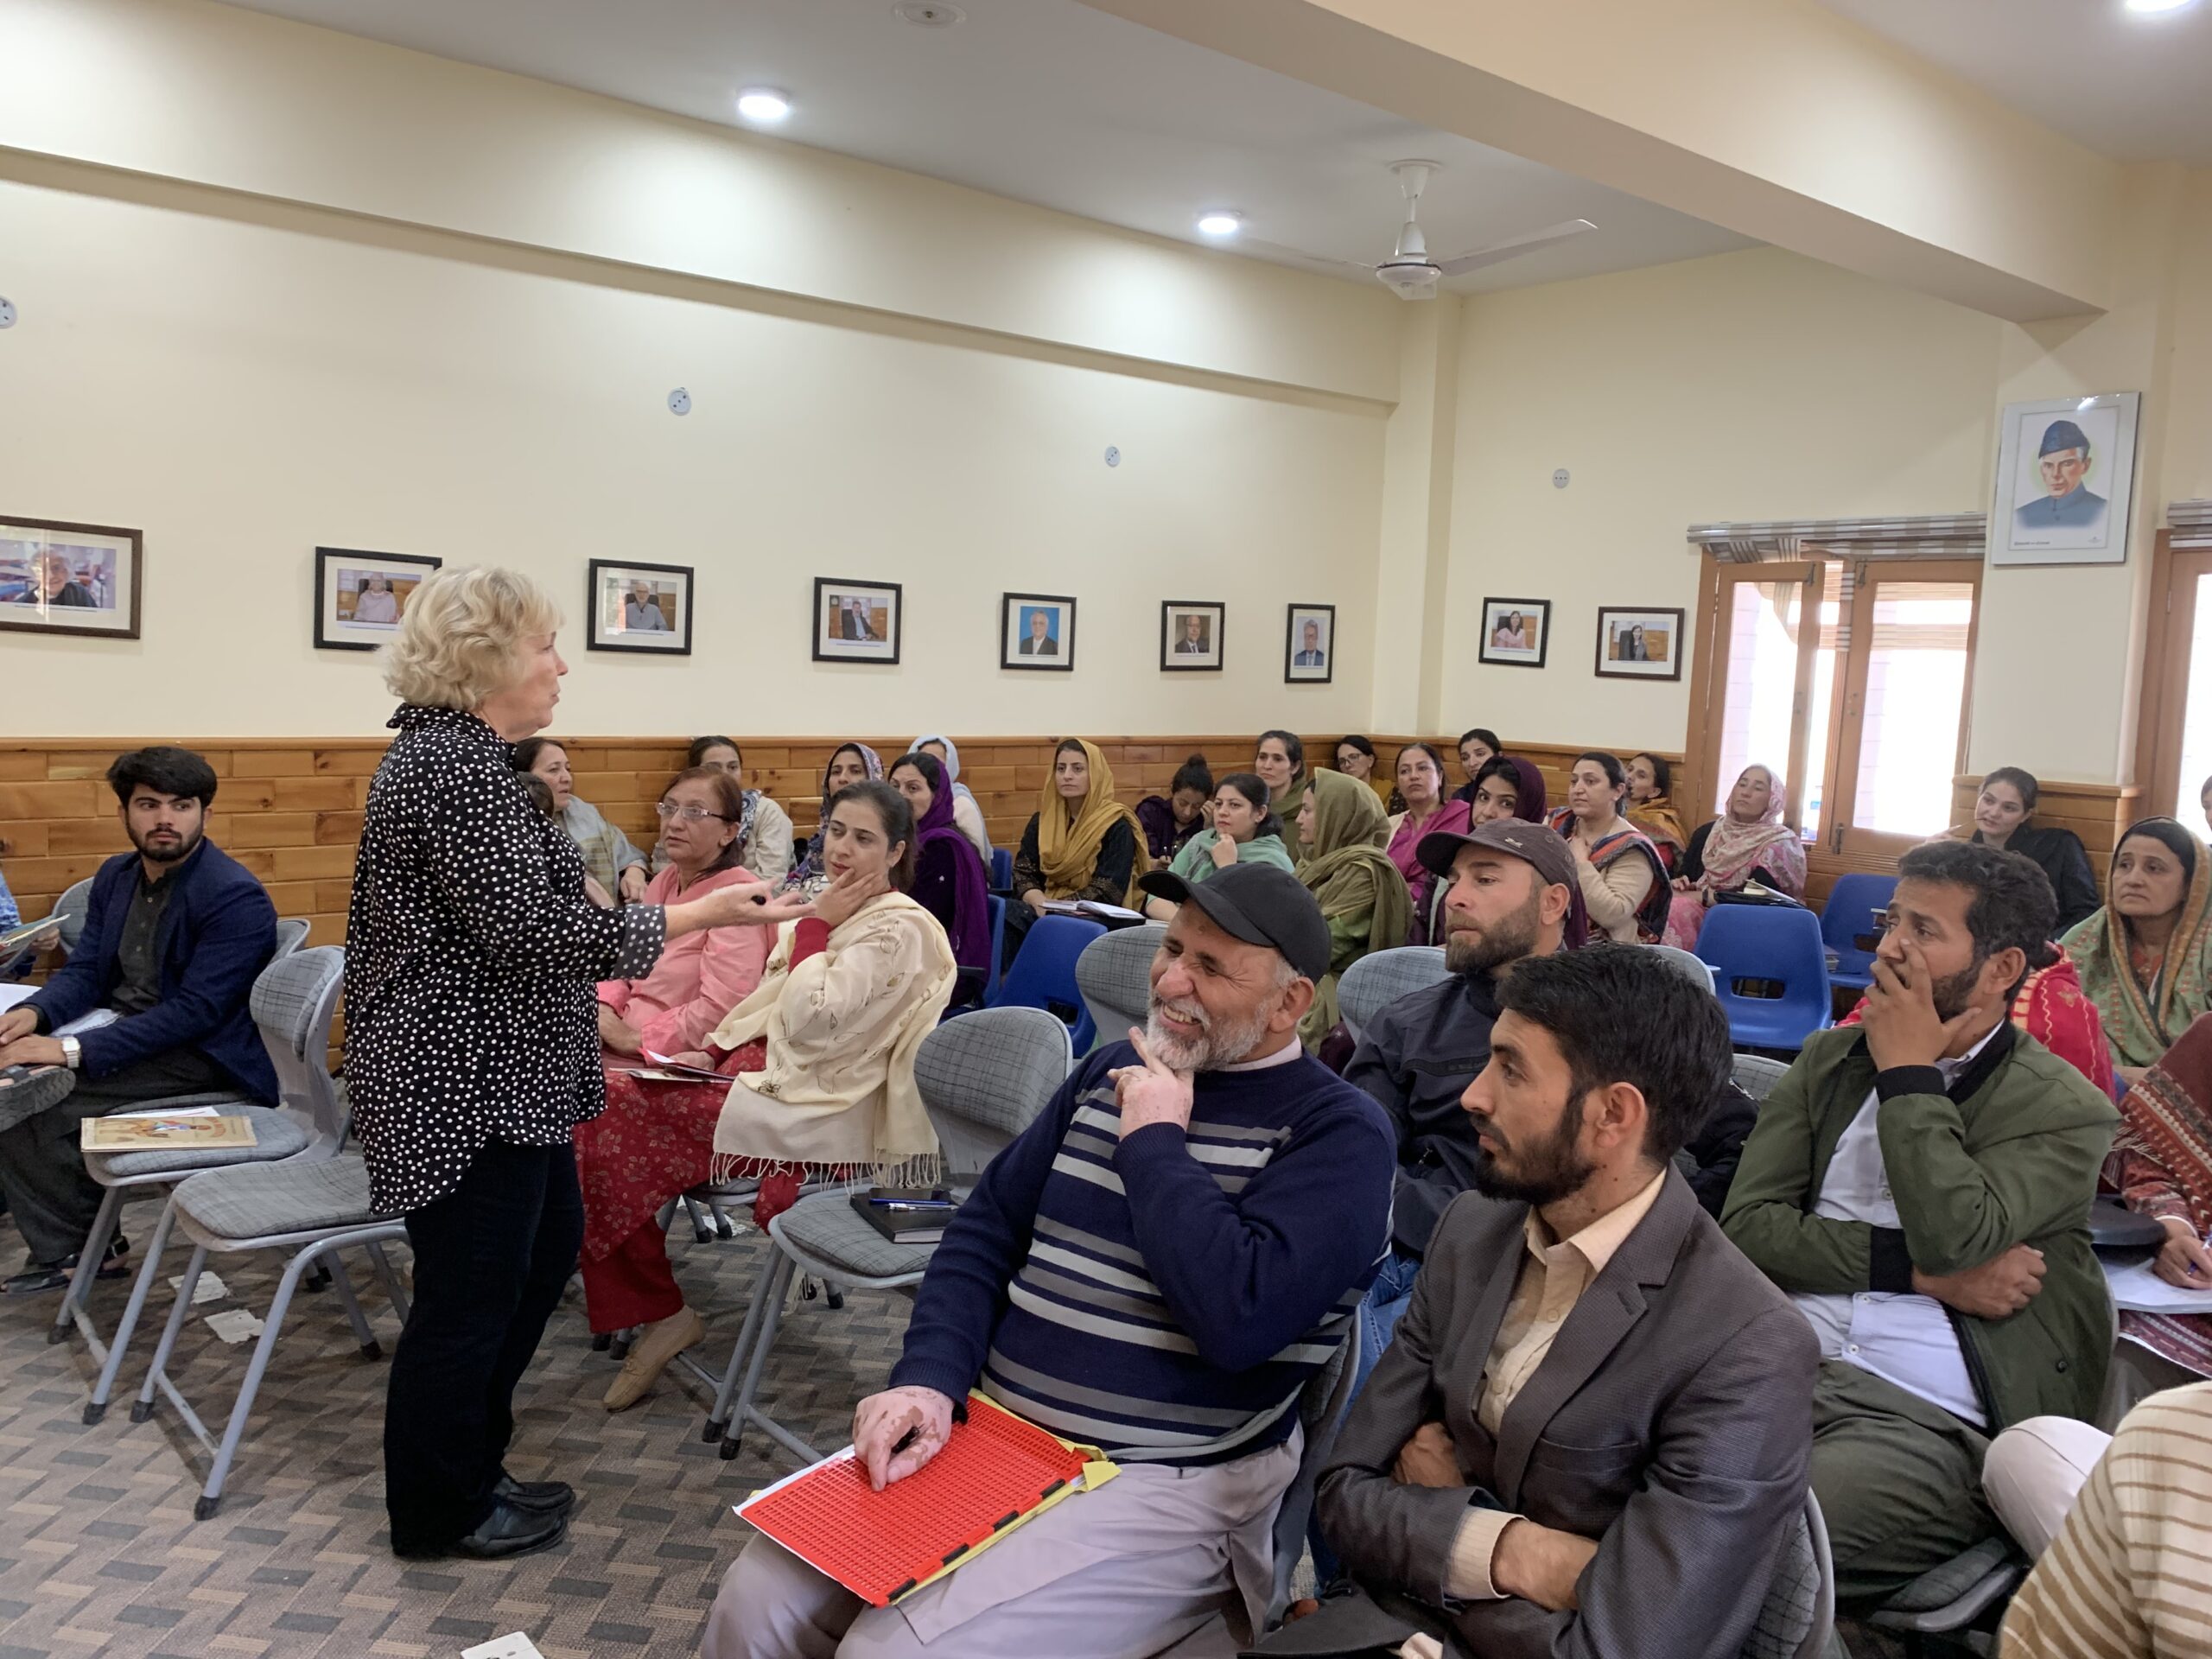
x=2139, y=1290
x=514, y=1645
x=11, y=994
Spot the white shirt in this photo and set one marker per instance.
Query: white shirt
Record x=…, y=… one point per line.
x=1901, y=1337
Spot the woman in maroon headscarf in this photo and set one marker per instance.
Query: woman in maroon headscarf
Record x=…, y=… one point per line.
x=949, y=881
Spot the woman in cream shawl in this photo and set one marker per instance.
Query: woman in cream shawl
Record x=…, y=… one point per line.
x=1081, y=843
x=822, y=1053
x=1363, y=897
x=2145, y=959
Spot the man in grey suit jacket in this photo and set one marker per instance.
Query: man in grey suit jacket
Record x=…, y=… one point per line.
x=1589, y=1435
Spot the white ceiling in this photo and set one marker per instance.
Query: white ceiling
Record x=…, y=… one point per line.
x=2134, y=86
x=1049, y=102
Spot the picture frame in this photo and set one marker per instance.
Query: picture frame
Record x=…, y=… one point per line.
x=57, y=577
x=1516, y=633
x=858, y=621
x=360, y=595
x=1639, y=642
x=622, y=598
x=1037, y=632
x=1191, y=636
x=1309, y=659
x=2055, y=501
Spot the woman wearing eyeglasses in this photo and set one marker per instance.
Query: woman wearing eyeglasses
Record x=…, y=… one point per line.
x=701, y=976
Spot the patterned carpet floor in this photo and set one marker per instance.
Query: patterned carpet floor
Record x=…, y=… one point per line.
x=100, y=1557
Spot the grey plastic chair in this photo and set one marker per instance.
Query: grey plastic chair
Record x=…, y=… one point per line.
x=1114, y=973
x=1691, y=966
x=70, y=911
x=1381, y=977
x=1953, y=1597
x=294, y=1001
x=1756, y=1075
x=983, y=1077
x=1798, y=1616
x=291, y=936
x=1321, y=1408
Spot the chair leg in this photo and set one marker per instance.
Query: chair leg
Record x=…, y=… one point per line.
x=702, y=1232
x=392, y=1288
x=143, y=1408
x=88, y=1263
x=364, y=1333
x=140, y=1288
x=769, y=1320
x=718, y=1416
x=210, y=1495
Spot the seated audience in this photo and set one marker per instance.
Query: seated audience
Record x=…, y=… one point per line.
x=950, y=880
x=1081, y=843
x=1171, y=819
x=1651, y=807
x=2051, y=1008
x=18, y=963
x=1506, y=788
x=1363, y=897
x=1355, y=758
x=701, y=976
x=2000, y=820
x=610, y=858
x=2126, y=1578
x=1623, y=883
x=849, y=764
x=822, y=1052
x=967, y=813
x=1589, y=1436
x=175, y=932
x=1478, y=747
x=1225, y=1198
x=1914, y=1184
x=1244, y=831
x=1420, y=784
x=1748, y=842
x=2146, y=958
x=1280, y=758
x=765, y=832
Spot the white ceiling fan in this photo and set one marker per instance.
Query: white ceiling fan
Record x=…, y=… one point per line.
x=1412, y=272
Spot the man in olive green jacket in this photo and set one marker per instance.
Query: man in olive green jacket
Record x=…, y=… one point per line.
x=1921, y=1188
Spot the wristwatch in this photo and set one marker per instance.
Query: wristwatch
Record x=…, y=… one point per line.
x=73, y=1052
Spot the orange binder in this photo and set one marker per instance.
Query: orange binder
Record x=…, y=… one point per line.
x=995, y=1472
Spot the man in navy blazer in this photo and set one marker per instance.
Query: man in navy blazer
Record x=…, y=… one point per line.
x=175, y=935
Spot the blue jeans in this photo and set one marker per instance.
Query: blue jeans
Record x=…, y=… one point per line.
x=1387, y=1300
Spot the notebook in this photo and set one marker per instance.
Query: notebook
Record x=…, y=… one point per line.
x=920, y=1224
x=996, y=1474
x=164, y=1132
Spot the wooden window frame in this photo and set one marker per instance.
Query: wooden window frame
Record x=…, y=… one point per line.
x=2165, y=701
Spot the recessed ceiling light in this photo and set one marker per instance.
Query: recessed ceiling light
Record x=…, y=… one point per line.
x=1220, y=224
x=2158, y=5
x=930, y=14
x=764, y=104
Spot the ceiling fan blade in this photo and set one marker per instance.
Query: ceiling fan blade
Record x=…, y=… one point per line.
x=1514, y=247
x=1299, y=256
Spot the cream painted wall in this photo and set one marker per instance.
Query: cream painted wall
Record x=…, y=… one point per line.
x=1751, y=385
x=242, y=392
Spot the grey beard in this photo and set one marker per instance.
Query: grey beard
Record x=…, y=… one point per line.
x=1222, y=1043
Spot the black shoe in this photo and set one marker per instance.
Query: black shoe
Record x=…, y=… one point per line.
x=39, y=1277
x=506, y=1532
x=535, y=1497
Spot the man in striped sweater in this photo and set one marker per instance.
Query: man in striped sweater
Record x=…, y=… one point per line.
x=1156, y=1267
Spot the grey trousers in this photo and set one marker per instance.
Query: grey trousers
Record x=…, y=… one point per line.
x=42, y=1167
x=1153, y=1559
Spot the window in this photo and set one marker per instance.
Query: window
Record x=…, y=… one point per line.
x=1852, y=680
x=2175, y=755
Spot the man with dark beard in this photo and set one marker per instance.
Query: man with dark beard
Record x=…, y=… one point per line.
x=1914, y=1185
x=175, y=934
x=1589, y=1436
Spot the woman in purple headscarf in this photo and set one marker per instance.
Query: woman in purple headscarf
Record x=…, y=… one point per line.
x=949, y=878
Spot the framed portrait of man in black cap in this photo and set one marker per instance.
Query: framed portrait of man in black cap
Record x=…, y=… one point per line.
x=2065, y=471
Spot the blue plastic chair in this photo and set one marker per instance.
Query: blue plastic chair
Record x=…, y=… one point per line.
x=1852, y=904
x=995, y=906
x=1043, y=973
x=1768, y=942
x=1001, y=870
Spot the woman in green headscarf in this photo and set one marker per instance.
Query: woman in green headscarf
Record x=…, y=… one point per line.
x=2145, y=959
x=1342, y=832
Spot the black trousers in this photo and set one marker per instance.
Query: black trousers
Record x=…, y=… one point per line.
x=491, y=1259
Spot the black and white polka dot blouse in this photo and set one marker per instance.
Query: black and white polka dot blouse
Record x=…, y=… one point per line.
x=472, y=956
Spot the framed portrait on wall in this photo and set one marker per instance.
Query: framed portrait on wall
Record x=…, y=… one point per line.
x=1191, y=635
x=2065, y=475
x=1636, y=642
x=1037, y=631
x=57, y=577
x=1309, y=650
x=1516, y=633
x=646, y=608
x=360, y=596
x=857, y=621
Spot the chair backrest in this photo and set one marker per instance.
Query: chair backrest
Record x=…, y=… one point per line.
x=1001, y=868
x=1043, y=970
x=1756, y=1075
x=70, y=911
x=292, y=934
x=1692, y=968
x=1381, y=977
x=1115, y=975
x=1799, y=1613
x=983, y=1079
x=294, y=1000
x=994, y=913
x=1321, y=1408
x=1775, y=942
x=1852, y=904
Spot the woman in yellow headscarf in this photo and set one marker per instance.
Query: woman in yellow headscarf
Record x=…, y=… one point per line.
x=1363, y=897
x=1081, y=843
